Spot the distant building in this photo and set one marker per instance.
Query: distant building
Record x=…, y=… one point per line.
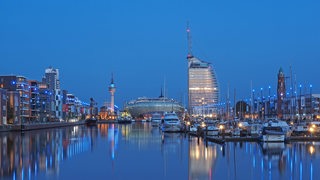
x=18, y=85
x=14, y=108
x=64, y=104
x=34, y=100
x=203, y=90
x=3, y=106
x=46, y=98
x=52, y=80
x=112, y=90
x=144, y=107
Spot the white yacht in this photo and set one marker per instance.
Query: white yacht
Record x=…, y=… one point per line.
x=156, y=119
x=275, y=131
x=171, y=123
x=212, y=130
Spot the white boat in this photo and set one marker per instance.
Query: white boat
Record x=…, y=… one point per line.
x=124, y=120
x=193, y=128
x=275, y=131
x=212, y=131
x=255, y=129
x=300, y=129
x=171, y=123
x=156, y=120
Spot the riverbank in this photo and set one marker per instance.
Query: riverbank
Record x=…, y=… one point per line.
x=36, y=126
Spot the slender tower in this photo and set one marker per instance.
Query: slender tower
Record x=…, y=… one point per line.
x=281, y=93
x=203, y=90
x=112, y=90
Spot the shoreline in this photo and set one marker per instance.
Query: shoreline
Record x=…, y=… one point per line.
x=38, y=126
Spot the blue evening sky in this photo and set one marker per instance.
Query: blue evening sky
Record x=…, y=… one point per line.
x=143, y=43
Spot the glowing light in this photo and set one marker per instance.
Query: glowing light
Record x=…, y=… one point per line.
x=312, y=150
x=311, y=129
x=197, y=88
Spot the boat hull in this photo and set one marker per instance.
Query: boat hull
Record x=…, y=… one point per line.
x=155, y=123
x=91, y=122
x=213, y=132
x=273, y=138
x=171, y=128
x=124, y=121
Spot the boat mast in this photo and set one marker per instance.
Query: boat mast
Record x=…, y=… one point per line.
x=252, y=105
x=291, y=97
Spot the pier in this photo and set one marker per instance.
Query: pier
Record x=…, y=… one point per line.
x=224, y=139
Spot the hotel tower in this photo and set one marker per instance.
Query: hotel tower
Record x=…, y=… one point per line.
x=203, y=91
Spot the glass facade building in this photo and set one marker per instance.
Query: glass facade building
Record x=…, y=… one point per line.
x=203, y=91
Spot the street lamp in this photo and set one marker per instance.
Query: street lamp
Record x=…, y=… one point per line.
x=311, y=105
x=300, y=104
x=261, y=108
x=252, y=105
x=269, y=101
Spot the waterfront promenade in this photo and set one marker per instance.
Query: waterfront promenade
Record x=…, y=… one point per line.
x=36, y=126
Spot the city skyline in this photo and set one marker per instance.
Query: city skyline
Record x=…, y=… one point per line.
x=144, y=44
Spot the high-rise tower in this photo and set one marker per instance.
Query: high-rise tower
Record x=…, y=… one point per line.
x=281, y=92
x=112, y=90
x=203, y=91
x=53, y=84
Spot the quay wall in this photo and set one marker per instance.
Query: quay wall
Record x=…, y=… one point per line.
x=29, y=127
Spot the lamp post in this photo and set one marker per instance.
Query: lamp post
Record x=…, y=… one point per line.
x=311, y=105
x=202, y=103
x=269, y=107
x=252, y=105
x=300, y=102
x=261, y=108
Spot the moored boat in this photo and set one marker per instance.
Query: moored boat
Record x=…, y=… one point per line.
x=91, y=121
x=171, y=123
x=212, y=130
x=124, y=120
x=274, y=131
x=156, y=120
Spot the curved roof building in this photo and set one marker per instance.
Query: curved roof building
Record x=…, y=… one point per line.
x=203, y=90
x=146, y=106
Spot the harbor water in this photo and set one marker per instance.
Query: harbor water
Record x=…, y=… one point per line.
x=140, y=151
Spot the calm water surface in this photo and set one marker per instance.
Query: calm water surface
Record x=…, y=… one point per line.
x=139, y=151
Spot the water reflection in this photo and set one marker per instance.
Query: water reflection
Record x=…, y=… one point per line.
x=202, y=160
x=144, y=152
x=24, y=155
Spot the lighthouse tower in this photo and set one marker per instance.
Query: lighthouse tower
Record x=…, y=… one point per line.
x=112, y=90
x=281, y=93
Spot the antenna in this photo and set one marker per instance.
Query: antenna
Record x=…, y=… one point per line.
x=189, y=41
x=112, y=78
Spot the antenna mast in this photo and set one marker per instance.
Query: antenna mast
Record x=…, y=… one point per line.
x=189, y=41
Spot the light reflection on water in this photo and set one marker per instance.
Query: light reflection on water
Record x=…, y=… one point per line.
x=140, y=151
